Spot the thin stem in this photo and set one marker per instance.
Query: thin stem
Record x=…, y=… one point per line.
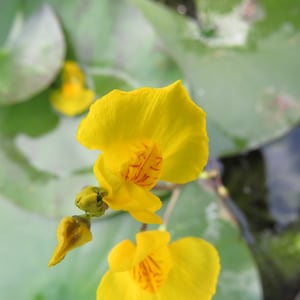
x=171, y=205
x=165, y=187
x=144, y=227
x=214, y=179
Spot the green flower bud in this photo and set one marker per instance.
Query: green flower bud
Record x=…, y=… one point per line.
x=89, y=199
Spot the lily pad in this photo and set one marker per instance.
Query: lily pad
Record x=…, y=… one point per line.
x=32, y=55
x=7, y=18
x=33, y=117
x=254, y=76
x=104, y=80
x=114, y=36
x=43, y=174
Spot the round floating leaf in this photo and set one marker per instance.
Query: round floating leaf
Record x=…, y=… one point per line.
x=105, y=80
x=253, y=76
x=8, y=10
x=32, y=55
x=33, y=117
x=114, y=36
x=44, y=174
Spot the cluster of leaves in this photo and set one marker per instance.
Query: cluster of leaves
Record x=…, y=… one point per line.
x=244, y=73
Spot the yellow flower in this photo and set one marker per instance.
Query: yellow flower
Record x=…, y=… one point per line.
x=73, y=98
x=145, y=135
x=72, y=232
x=71, y=72
x=153, y=270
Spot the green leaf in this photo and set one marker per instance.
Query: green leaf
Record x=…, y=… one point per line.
x=8, y=12
x=27, y=243
x=44, y=174
x=33, y=117
x=106, y=79
x=216, y=5
x=114, y=36
x=254, y=77
x=32, y=55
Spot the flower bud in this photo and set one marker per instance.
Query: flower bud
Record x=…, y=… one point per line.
x=72, y=232
x=90, y=201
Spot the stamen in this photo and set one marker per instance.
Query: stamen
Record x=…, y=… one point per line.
x=144, y=166
x=71, y=88
x=152, y=272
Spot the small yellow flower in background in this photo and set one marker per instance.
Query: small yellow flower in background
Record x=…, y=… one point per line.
x=72, y=232
x=145, y=135
x=73, y=98
x=152, y=269
x=72, y=73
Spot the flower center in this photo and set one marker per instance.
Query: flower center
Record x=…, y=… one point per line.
x=152, y=272
x=71, y=88
x=144, y=166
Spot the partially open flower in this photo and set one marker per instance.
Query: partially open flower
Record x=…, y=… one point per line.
x=145, y=135
x=152, y=269
x=73, y=98
x=72, y=232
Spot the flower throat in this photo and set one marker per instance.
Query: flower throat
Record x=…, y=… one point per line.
x=144, y=166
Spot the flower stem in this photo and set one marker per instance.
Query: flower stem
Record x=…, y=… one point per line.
x=171, y=205
x=144, y=227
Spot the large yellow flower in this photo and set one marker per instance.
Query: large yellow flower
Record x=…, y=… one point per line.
x=145, y=135
x=73, y=98
x=153, y=270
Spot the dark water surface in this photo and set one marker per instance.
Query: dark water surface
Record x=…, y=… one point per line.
x=265, y=185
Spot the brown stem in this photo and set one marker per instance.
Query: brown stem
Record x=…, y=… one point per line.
x=144, y=227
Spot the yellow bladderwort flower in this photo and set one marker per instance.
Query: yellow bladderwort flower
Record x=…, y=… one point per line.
x=71, y=72
x=72, y=232
x=145, y=135
x=73, y=98
x=152, y=269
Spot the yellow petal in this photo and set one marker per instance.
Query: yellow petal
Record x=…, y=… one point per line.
x=72, y=232
x=121, y=257
x=195, y=271
x=166, y=116
x=122, y=195
x=72, y=104
x=148, y=241
x=71, y=72
x=118, y=282
x=119, y=285
x=145, y=216
x=125, y=255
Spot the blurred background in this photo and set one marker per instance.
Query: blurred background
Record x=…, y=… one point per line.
x=240, y=61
